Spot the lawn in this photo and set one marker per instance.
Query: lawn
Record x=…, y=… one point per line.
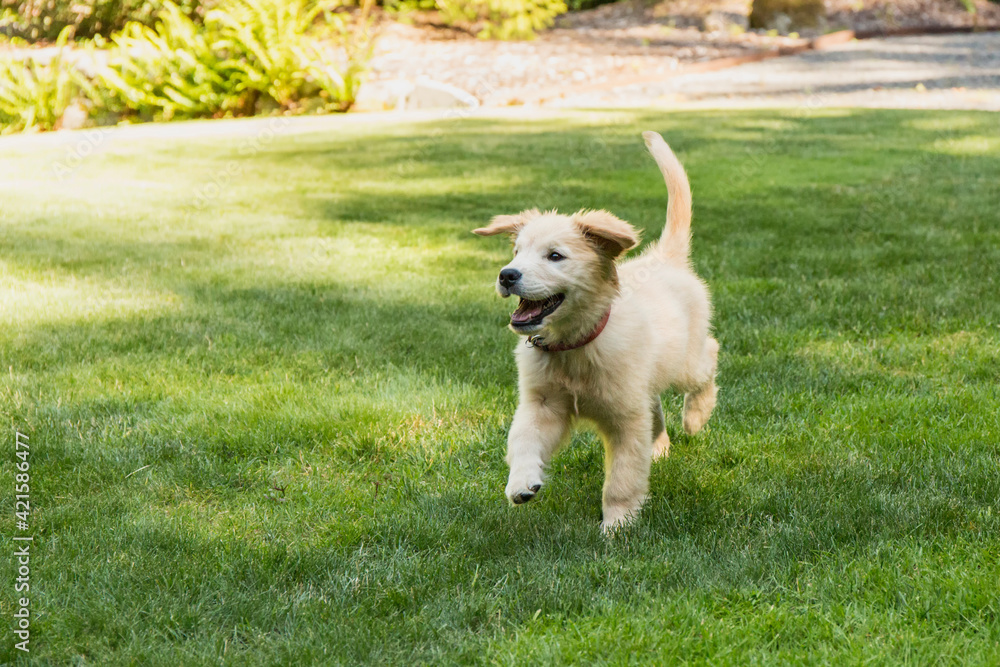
x=267, y=383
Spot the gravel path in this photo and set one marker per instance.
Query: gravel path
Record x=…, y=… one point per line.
x=959, y=71
x=630, y=41
x=499, y=73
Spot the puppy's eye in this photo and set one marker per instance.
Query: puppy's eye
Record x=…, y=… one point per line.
x=555, y=257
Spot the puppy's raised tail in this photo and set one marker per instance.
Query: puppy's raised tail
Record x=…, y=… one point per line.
x=675, y=242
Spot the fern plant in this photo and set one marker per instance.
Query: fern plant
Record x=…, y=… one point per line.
x=267, y=45
x=517, y=19
x=280, y=56
x=248, y=57
x=174, y=70
x=34, y=96
x=493, y=19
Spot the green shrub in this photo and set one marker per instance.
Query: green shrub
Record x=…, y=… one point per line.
x=503, y=19
x=45, y=19
x=35, y=95
x=248, y=57
x=491, y=19
x=267, y=41
x=787, y=14
x=174, y=70
x=577, y=5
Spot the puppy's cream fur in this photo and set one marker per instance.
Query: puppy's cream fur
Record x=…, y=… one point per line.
x=657, y=338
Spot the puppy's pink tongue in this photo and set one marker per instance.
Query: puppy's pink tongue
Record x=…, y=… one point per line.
x=527, y=311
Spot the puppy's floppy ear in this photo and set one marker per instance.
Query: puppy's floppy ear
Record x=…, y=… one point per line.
x=507, y=224
x=613, y=235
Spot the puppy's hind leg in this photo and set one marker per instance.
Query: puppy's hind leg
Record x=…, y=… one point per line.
x=661, y=441
x=698, y=404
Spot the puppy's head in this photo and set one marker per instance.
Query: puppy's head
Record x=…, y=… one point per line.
x=563, y=268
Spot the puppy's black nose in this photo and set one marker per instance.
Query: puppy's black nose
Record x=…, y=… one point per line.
x=509, y=276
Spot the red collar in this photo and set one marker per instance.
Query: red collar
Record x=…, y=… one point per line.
x=563, y=347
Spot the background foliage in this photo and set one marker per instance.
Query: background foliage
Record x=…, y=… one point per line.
x=45, y=19
x=245, y=57
x=34, y=95
x=495, y=19
x=502, y=19
x=489, y=19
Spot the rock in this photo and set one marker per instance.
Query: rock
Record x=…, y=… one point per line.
x=429, y=94
x=74, y=118
x=383, y=95
x=399, y=94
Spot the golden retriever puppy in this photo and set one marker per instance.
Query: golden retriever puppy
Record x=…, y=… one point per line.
x=605, y=339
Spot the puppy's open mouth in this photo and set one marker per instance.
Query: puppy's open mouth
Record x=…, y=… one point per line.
x=531, y=313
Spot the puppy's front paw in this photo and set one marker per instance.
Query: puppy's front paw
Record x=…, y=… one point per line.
x=520, y=491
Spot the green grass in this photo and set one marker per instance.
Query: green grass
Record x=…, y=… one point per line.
x=268, y=423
